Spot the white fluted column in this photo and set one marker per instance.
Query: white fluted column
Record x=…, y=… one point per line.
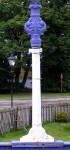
x=36, y=88
x=37, y=132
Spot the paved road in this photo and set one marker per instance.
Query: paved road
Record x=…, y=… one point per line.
x=27, y=102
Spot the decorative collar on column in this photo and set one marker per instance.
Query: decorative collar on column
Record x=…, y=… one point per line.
x=35, y=1
x=35, y=26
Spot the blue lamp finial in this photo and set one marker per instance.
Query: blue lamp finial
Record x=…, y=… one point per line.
x=35, y=26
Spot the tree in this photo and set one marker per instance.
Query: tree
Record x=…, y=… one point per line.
x=55, y=58
x=4, y=73
x=13, y=38
x=56, y=45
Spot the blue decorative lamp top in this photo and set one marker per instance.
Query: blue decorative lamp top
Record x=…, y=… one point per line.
x=35, y=27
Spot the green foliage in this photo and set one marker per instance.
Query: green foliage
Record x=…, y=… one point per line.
x=13, y=38
x=55, y=129
x=56, y=42
x=62, y=117
x=13, y=15
x=4, y=73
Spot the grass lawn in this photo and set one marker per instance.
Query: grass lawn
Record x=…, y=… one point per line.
x=54, y=95
x=60, y=131
x=29, y=95
x=16, y=95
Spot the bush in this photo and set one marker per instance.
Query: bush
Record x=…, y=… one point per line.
x=62, y=117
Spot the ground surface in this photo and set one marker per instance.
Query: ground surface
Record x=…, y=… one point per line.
x=6, y=103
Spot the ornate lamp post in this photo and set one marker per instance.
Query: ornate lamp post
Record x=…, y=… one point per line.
x=11, y=61
x=35, y=27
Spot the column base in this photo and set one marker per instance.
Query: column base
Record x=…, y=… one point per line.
x=37, y=134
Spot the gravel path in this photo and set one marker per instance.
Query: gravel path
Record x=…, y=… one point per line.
x=27, y=102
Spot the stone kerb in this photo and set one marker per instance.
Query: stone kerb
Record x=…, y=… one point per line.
x=16, y=145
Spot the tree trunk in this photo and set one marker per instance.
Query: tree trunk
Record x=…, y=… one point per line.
x=26, y=72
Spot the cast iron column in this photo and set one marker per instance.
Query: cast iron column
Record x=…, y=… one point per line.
x=35, y=27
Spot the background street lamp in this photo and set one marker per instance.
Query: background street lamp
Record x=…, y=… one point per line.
x=11, y=61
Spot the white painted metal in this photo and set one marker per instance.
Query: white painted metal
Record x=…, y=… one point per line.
x=36, y=89
x=37, y=132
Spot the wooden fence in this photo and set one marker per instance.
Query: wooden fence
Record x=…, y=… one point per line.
x=21, y=117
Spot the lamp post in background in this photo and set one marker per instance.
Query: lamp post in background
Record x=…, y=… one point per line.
x=35, y=27
x=61, y=82
x=11, y=61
